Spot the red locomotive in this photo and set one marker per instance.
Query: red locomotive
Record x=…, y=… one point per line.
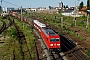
x=51, y=39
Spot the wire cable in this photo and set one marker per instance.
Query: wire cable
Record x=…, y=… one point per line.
x=9, y=3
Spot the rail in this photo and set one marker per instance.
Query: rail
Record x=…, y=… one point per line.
x=3, y=27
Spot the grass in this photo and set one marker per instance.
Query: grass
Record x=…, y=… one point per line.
x=27, y=30
x=12, y=46
x=1, y=23
x=88, y=53
x=7, y=48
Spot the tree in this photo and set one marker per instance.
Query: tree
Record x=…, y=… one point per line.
x=88, y=4
x=50, y=7
x=0, y=8
x=66, y=6
x=81, y=5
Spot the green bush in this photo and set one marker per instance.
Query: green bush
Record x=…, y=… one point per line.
x=84, y=16
x=88, y=52
x=88, y=31
x=14, y=34
x=81, y=22
x=72, y=25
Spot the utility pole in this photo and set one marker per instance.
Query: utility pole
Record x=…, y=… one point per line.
x=30, y=12
x=21, y=17
x=1, y=2
x=75, y=6
x=1, y=5
x=75, y=21
x=61, y=22
x=21, y=13
x=89, y=4
x=87, y=26
x=78, y=3
x=75, y=14
x=55, y=20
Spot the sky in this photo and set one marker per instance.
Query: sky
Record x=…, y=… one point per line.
x=38, y=3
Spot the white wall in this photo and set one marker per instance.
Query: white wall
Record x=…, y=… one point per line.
x=71, y=14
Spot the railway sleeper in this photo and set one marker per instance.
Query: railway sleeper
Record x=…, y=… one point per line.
x=43, y=47
x=22, y=38
x=19, y=35
x=71, y=51
x=19, y=31
x=22, y=42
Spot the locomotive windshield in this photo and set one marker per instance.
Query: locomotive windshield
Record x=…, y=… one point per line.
x=54, y=39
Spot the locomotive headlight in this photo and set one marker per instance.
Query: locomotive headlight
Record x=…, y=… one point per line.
x=58, y=44
x=51, y=44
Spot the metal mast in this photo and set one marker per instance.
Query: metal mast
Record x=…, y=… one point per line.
x=1, y=5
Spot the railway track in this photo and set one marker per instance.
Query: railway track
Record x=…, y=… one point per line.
x=23, y=42
x=56, y=56
x=38, y=48
x=72, y=49
x=3, y=27
x=10, y=22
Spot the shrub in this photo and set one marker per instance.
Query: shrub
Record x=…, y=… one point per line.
x=88, y=31
x=72, y=25
x=88, y=53
x=13, y=33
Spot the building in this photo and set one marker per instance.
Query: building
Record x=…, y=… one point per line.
x=83, y=10
x=88, y=12
x=72, y=13
x=60, y=4
x=68, y=12
x=31, y=10
x=4, y=9
x=10, y=9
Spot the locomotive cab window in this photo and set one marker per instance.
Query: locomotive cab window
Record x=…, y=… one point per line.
x=54, y=39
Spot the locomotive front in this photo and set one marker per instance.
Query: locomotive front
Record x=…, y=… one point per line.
x=53, y=39
x=55, y=44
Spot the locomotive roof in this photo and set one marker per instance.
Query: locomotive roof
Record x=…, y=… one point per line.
x=39, y=23
x=48, y=31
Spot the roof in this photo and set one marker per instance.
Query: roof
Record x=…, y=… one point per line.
x=39, y=23
x=84, y=8
x=48, y=31
x=88, y=12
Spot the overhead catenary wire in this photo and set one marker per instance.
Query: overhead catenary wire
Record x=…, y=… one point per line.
x=13, y=5
x=9, y=3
